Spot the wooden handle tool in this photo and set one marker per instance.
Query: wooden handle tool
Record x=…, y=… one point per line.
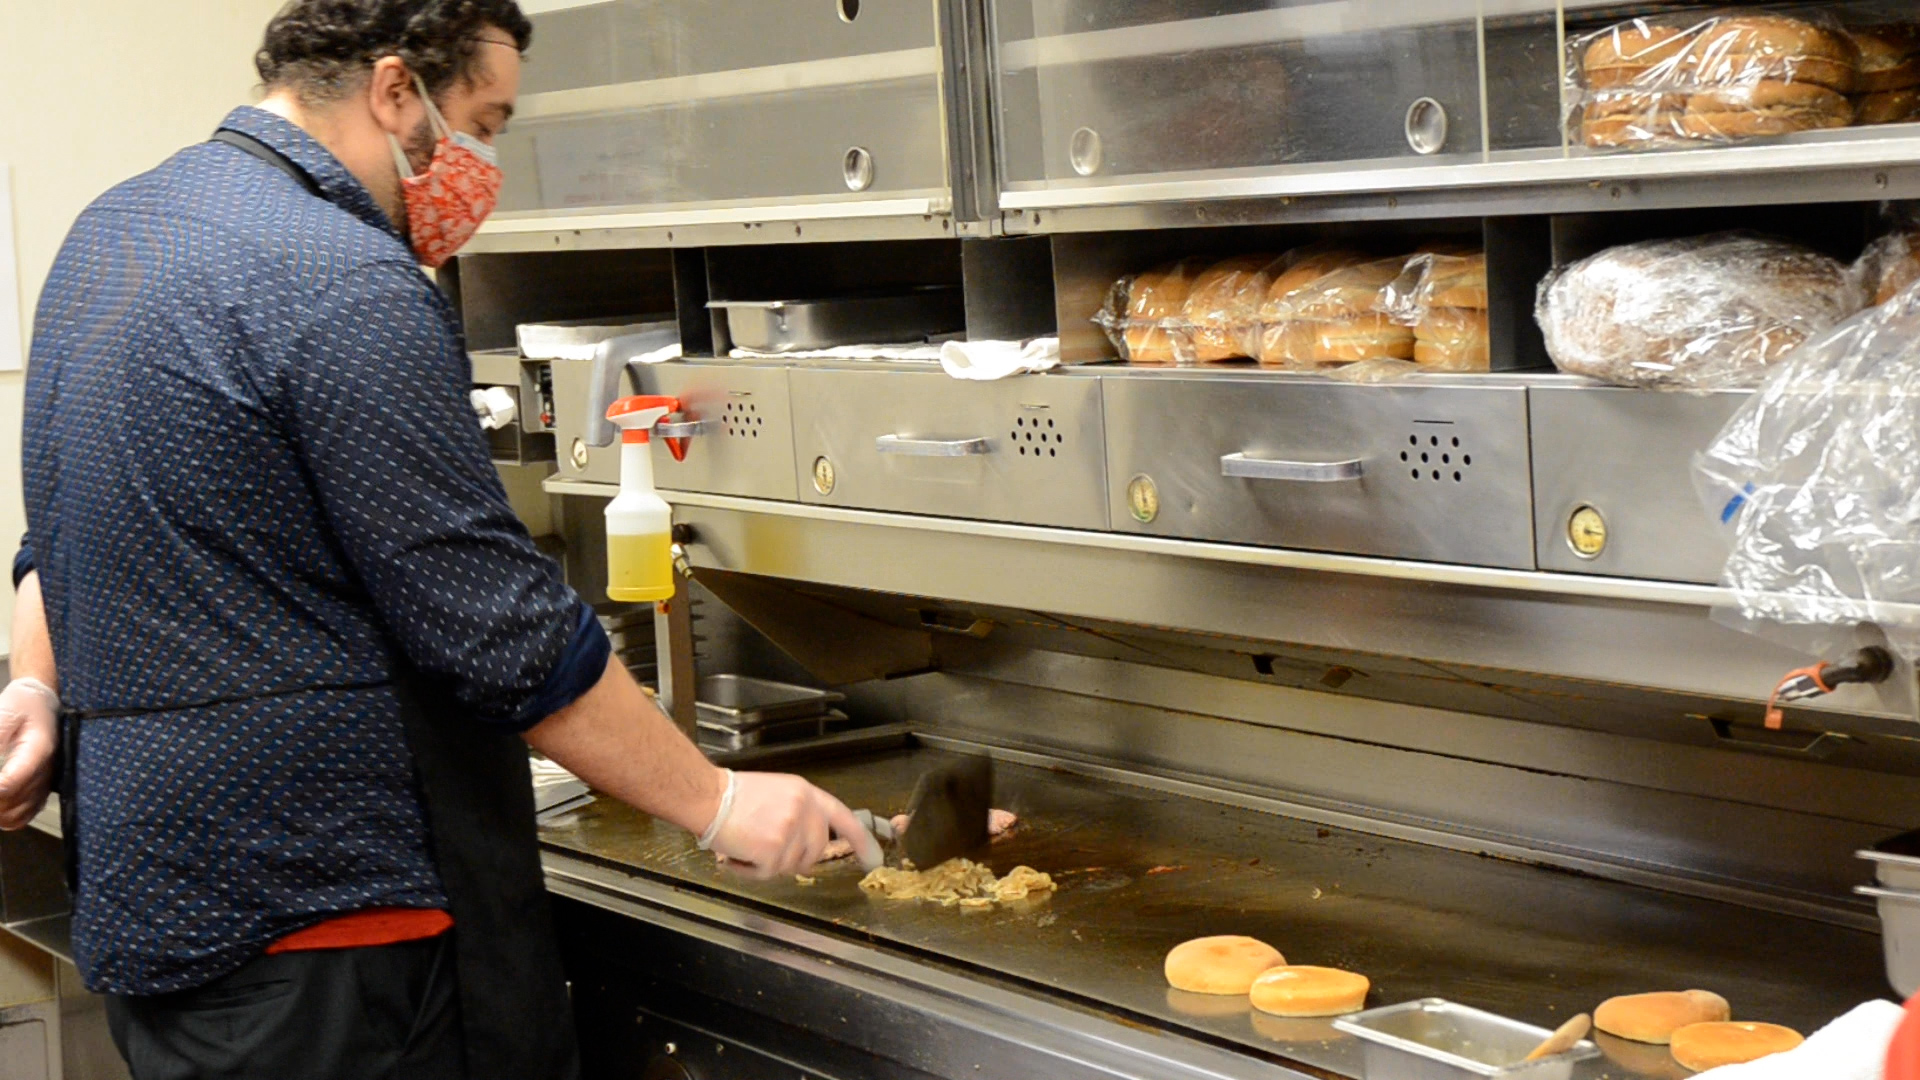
x=1564, y=1039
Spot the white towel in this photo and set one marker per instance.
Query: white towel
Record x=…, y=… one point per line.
x=984, y=361
x=1853, y=1047
x=919, y=353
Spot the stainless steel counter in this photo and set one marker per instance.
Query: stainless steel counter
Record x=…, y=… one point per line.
x=1141, y=871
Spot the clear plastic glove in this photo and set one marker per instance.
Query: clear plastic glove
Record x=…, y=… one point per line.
x=771, y=825
x=29, y=732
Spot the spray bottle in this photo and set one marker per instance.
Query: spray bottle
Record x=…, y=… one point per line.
x=639, y=521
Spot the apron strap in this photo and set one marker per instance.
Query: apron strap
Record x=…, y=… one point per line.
x=268, y=154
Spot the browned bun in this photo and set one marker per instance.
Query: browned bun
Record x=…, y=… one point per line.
x=1623, y=55
x=1710, y=1045
x=1653, y=1018
x=1889, y=58
x=1156, y=296
x=1224, y=306
x=1458, y=281
x=1360, y=337
x=1287, y=344
x=1888, y=107
x=1772, y=48
x=1348, y=291
x=1633, y=129
x=1453, y=339
x=1764, y=108
x=1219, y=965
x=1301, y=990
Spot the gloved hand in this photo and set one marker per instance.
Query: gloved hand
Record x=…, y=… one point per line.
x=771, y=825
x=29, y=732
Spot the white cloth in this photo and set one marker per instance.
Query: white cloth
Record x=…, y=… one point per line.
x=1853, y=1047
x=658, y=356
x=921, y=353
x=495, y=406
x=983, y=361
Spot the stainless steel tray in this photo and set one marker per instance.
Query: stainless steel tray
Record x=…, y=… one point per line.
x=1435, y=1039
x=741, y=703
x=779, y=326
x=1896, y=862
x=713, y=736
x=1899, y=935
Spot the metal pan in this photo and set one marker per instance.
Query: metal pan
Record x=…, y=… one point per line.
x=1896, y=862
x=741, y=703
x=781, y=326
x=1435, y=1039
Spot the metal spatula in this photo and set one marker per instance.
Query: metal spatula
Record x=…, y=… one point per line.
x=949, y=812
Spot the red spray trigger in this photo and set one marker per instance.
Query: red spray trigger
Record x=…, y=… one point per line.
x=635, y=416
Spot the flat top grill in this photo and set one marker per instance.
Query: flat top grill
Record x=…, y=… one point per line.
x=1141, y=870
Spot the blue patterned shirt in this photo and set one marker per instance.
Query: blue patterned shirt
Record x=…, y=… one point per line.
x=257, y=497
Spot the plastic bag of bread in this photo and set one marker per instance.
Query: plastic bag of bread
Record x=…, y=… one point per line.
x=1644, y=84
x=1222, y=316
x=1624, y=84
x=1889, y=265
x=1329, y=307
x=1818, y=478
x=1887, y=90
x=1700, y=313
x=1442, y=294
x=1145, y=314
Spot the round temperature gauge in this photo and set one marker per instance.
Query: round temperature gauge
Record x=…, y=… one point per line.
x=823, y=478
x=1143, y=499
x=1587, y=533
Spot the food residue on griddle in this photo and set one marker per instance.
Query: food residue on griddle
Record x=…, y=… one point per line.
x=957, y=882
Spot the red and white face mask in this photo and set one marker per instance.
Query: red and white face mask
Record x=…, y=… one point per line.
x=448, y=203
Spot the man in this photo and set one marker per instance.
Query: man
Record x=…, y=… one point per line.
x=299, y=634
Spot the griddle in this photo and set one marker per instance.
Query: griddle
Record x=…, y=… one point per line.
x=1142, y=870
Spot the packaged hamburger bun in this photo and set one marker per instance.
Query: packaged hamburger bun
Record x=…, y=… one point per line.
x=1746, y=49
x=1764, y=108
x=1889, y=58
x=1330, y=308
x=1144, y=314
x=1643, y=85
x=1631, y=54
x=1704, y=312
x=1888, y=107
x=1443, y=297
x=1222, y=315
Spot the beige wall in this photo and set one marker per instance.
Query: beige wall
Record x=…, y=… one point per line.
x=95, y=91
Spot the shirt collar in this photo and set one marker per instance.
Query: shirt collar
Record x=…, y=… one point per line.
x=337, y=185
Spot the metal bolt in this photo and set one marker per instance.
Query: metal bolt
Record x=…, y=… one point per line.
x=1879, y=179
x=672, y=1049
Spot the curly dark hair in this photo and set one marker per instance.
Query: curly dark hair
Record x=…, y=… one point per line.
x=321, y=48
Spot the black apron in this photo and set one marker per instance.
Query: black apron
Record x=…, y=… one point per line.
x=477, y=790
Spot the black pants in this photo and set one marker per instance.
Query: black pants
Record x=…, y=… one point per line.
x=385, y=1013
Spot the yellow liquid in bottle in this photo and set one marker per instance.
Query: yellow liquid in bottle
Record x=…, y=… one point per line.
x=640, y=568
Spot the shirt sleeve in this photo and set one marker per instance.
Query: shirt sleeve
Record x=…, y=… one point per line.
x=376, y=397
x=23, y=561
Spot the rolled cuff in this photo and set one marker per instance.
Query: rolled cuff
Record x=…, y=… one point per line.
x=22, y=563
x=579, y=670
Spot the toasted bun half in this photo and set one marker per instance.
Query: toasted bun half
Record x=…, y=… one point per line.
x=1653, y=1018
x=1219, y=965
x=1710, y=1045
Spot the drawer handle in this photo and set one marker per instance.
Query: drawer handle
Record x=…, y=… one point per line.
x=1305, y=472
x=898, y=444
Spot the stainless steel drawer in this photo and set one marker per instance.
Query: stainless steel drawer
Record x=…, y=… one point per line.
x=1432, y=473
x=1626, y=455
x=745, y=447
x=1026, y=450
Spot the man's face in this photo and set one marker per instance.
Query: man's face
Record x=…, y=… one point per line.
x=480, y=108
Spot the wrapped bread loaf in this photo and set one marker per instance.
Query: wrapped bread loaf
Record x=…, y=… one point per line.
x=1330, y=308
x=1889, y=58
x=1699, y=313
x=1646, y=84
x=1890, y=265
x=1223, y=308
x=1145, y=314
